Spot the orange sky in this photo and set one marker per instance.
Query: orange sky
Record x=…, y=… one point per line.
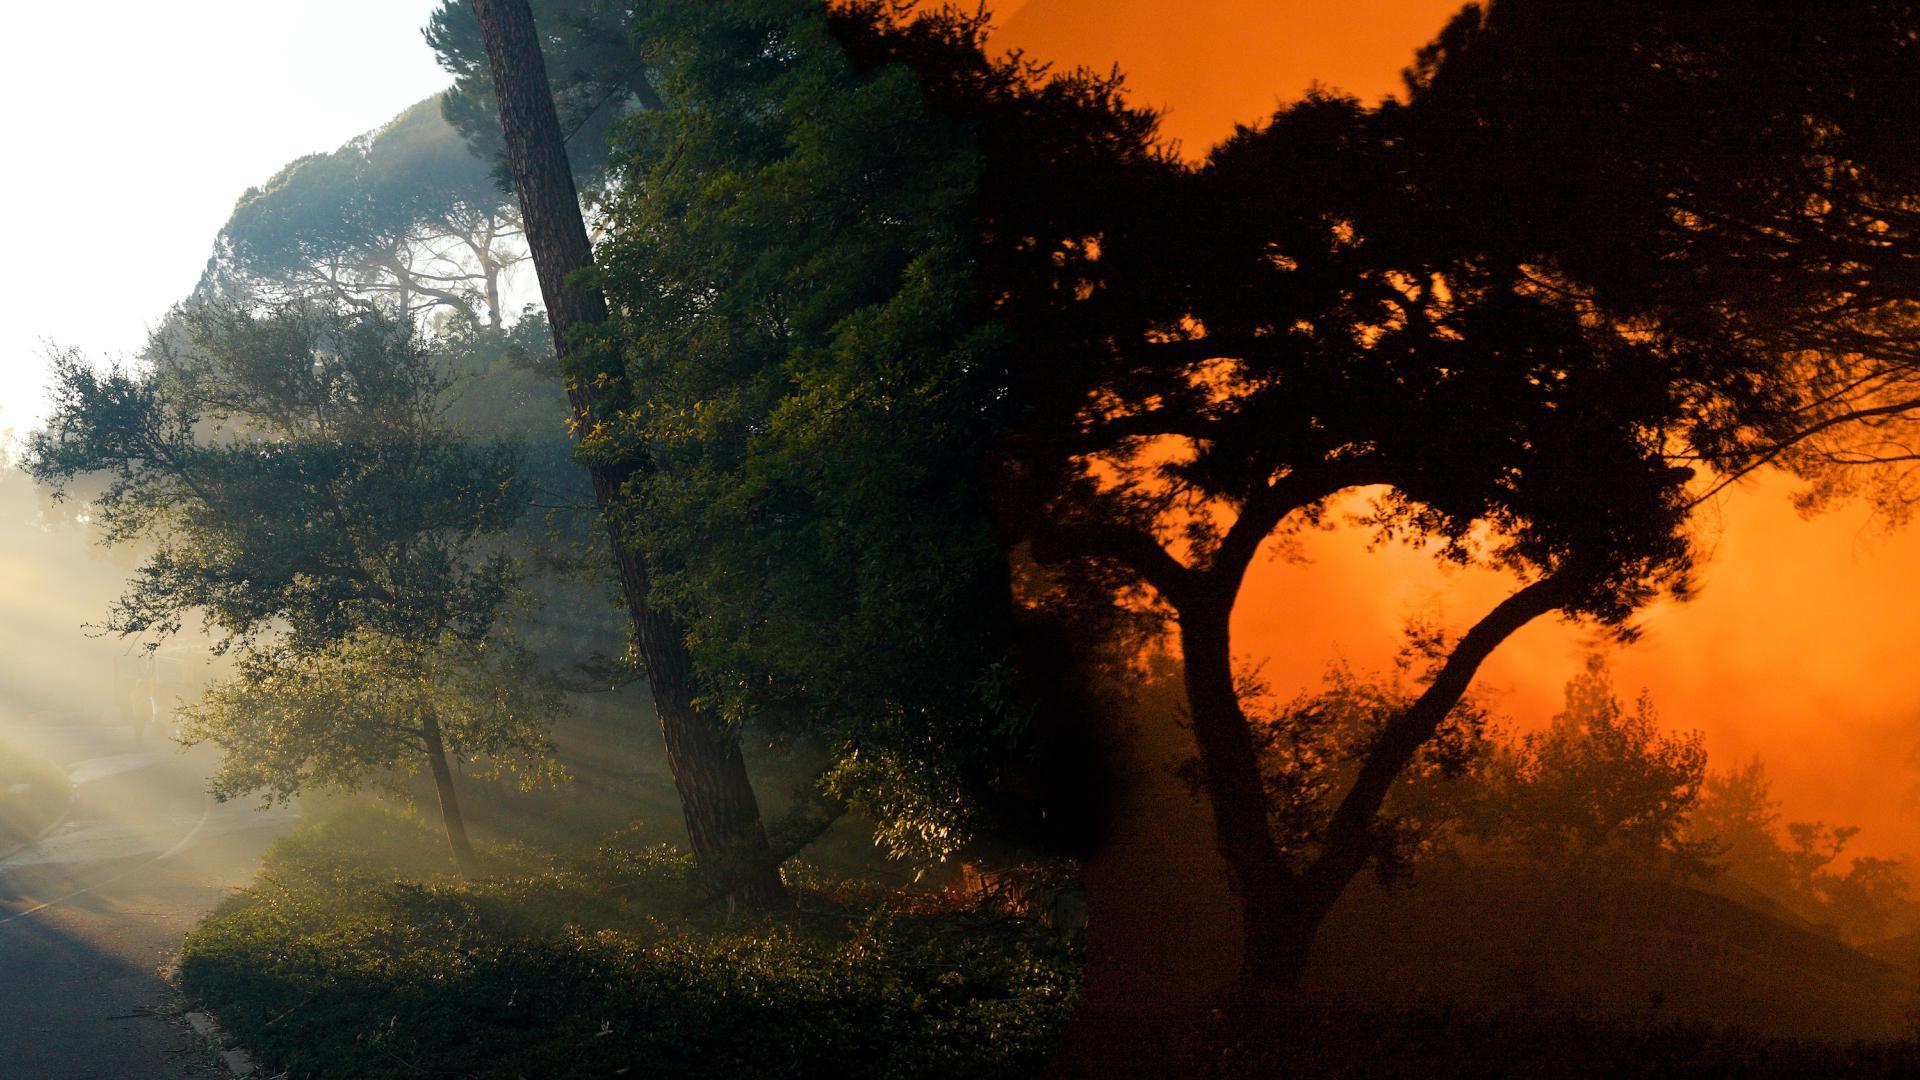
x=1800, y=646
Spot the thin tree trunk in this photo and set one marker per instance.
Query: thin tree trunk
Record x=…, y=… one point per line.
x=492, y=269
x=456, y=823
x=722, y=814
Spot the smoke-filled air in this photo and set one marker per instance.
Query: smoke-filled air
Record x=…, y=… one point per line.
x=883, y=539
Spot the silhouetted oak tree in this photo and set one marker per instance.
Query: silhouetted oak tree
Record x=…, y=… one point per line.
x=1209, y=355
x=1741, y=180
x=1327, y=338
x=1528, y=368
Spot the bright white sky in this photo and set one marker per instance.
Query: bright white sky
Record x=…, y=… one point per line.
x=130, y=128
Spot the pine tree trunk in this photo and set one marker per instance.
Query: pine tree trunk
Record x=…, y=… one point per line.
x=722, y=814
x=456, y=823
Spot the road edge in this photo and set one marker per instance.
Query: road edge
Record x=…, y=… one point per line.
x=205, y=1027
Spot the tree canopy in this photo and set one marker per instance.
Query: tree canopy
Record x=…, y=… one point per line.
x=291, y=473
x=596, y=73
x=1739, y=182
x=793, y=300
x=403, y=218
x=299, y=490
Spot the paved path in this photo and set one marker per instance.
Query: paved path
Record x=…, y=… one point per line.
x=91, y=914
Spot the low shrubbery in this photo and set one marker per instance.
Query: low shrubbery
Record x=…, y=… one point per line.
x=357, y=954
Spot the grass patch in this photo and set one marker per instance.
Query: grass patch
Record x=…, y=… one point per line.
x=34, y=792
x=357, y=954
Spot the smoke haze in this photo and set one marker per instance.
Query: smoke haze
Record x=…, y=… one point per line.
x=1799, y=645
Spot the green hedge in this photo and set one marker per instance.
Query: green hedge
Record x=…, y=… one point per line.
x=341, y=961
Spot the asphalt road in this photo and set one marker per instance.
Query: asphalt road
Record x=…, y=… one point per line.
x=91, y=914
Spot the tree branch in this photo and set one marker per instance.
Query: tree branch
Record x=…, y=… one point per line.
x=1133, y=548
x=1349, y=840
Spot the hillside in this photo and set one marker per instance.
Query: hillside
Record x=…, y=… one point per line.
x=1508, y=940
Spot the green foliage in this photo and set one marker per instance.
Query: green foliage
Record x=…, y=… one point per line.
x=508, y=386
x=812, y=397
x=292, y=474
x=509, y=381
x=403, y=217
x=295, y=721
x=341, y=962
x=596, y=73
x=299, y=489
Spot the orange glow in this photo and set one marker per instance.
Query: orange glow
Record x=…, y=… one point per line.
x=1801, y=646
x=1210, y=64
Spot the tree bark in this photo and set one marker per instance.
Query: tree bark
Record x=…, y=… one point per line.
x=456, y=823
x=1230, y=776
x=709, y=771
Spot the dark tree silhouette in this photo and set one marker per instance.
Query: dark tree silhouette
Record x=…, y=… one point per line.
x=1211, y=355
x=722, y=813
x=1741, y=179
x=1600, y=785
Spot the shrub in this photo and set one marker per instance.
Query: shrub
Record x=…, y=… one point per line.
x=342, y=961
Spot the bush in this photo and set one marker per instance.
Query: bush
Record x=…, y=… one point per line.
x=342, y=962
